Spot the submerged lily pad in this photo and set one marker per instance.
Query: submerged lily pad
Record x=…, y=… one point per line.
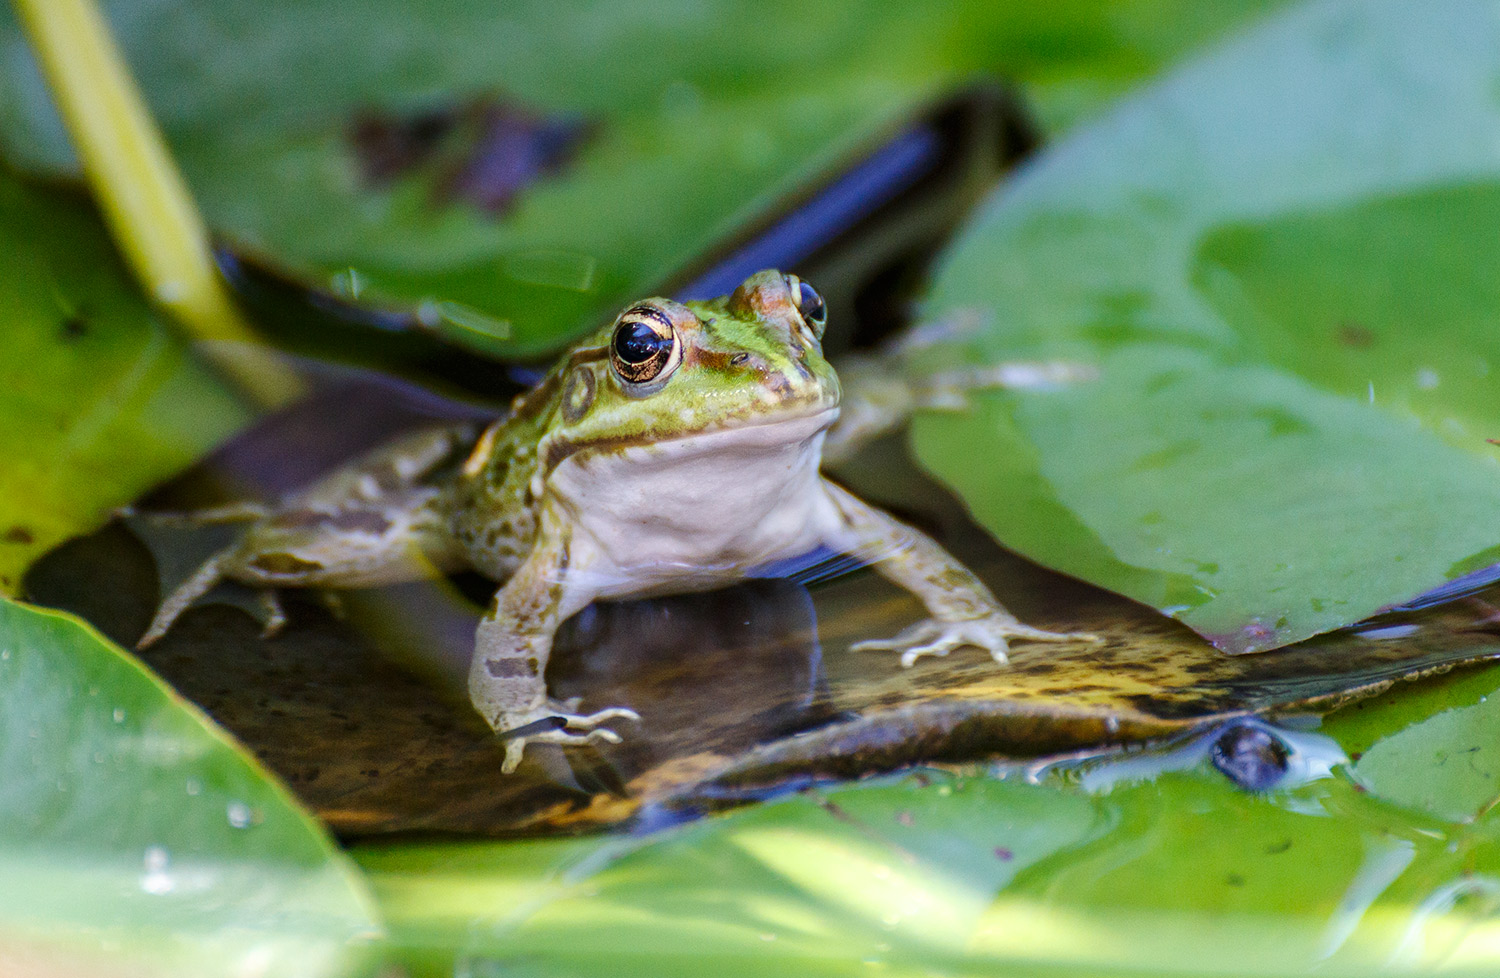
x=366, y=147
x=136, y=838
x=1274, y=258
x=100, y=399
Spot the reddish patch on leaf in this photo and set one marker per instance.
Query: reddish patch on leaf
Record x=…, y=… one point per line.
x=19, y=534
x=1354, y=335
x=485, y=152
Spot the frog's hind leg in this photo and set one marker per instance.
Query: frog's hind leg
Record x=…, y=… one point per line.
x=370, y=523
x=204, y=579
x=354, y=544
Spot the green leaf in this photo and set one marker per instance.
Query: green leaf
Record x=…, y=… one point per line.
x=701, y=114
x=1165, y=871
x=135, y=837
x=1447, y=761
x=100, y=400
x=1274, y=259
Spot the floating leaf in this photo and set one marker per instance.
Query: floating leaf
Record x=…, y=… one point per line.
x=100, y=400
x=136, y=838
x=1275, y=260
x=539, y=166
x=1172, y=871
x=1444, y=763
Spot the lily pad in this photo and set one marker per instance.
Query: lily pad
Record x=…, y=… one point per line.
x=515, y=176
x=1273, y=258
x=1444, y=764
x=136, y=838
x=99, y=396
x=1176, y=872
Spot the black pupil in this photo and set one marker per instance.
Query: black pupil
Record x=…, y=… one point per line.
x=637, y=343
x=810, y=303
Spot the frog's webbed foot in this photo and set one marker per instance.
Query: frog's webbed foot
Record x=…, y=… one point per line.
x=991, y=633
x=556, y=723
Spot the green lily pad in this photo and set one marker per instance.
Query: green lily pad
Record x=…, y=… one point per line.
x=1444, y=764
x=1274, y=260
x=515, y=176
x=1131, y=867
x=136, y=838
x=99, y=397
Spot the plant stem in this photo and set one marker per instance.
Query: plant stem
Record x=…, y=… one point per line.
x=146, y=204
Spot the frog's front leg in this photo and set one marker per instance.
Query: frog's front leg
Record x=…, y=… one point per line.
x=507, y=676
x=963, y=610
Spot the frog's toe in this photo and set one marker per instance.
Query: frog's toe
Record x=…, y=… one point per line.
x=589, y=721
x=566, y=729
x=991, y=634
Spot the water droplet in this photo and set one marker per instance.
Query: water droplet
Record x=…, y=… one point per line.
x=119, y=714
x=241, y=815
x=4, y=653
x=1427, y=378
x=348, y=283
x=156, y=880
x=193, y=786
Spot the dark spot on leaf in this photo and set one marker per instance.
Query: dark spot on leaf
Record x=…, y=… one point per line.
x=1355, y=336
x=1235, y=879
x=74, y=327
x=388, y=147
x=1003, y=854
x=513, y=149
x=1279, y=847
x=19, y=534
x=486, y=152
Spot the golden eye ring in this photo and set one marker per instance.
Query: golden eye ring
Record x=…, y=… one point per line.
x=644, y=347
x=810, y=305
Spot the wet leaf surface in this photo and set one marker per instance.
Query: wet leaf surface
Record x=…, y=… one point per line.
x=136, y=838
x=742, y=691
x=1135, y=865
x=99, y=400
x=1289, y=311
x=698, y=116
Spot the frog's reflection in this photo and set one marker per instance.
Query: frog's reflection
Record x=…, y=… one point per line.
x=711, y=674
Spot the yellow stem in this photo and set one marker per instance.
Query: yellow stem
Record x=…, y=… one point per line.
x=146, y=204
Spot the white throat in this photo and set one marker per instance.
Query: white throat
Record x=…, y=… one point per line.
x=692, y=511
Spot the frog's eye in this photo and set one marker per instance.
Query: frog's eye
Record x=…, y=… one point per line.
x=814, y=311
x=644, y=347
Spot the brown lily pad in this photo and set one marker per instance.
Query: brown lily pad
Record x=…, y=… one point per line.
x=741, y=691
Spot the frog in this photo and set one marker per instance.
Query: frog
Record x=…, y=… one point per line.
x=676, y=449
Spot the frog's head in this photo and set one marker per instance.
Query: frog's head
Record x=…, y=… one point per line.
x=665, y=370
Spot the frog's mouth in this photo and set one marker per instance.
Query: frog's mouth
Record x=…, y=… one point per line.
x=794, y=432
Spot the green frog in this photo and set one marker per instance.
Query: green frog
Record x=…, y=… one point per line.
x=675, y=450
